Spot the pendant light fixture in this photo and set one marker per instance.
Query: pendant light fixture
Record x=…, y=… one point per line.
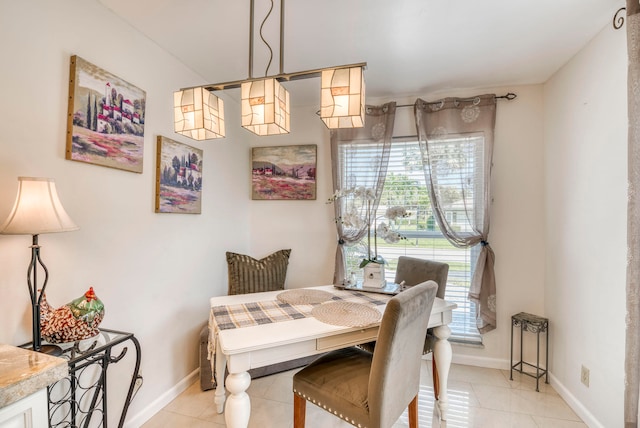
x=198, y=114
x=342, y=97
x=265, y=107
x=265, y=102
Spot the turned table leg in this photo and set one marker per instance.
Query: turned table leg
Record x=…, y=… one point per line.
x=238, y=407
x=221, y=365
x=442, y=354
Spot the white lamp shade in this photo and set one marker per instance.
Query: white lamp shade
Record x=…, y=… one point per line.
x=342, y=97
x=198, y=114
x=265, y=107
x=37, y=209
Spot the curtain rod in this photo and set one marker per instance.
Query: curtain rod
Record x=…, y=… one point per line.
x=509, y=96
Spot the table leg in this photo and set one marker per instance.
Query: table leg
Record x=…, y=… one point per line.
x=442, y=353
x=221, y=365
x=238, y=407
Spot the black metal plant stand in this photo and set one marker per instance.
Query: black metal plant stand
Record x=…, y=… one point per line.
x=533, y=324
x=80, y=400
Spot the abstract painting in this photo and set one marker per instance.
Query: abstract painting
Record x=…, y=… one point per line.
x=178, y=178
x=105, y=122
x=284, y=172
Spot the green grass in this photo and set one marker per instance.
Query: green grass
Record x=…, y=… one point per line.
x=436, y=243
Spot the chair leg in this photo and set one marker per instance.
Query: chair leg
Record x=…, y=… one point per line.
x=413, y=413
x=299, y=410
x=436, y=379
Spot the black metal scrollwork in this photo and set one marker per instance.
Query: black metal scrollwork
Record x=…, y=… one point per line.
x=618, y=21
x=80, y=400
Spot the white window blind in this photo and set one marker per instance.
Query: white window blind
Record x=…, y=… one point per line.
x=405, y=186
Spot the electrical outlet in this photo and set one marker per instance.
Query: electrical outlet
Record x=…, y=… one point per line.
x=584, y=376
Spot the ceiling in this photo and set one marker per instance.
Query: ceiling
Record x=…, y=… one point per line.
x=411, y=47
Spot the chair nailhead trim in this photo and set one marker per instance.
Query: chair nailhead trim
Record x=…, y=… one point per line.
x=324, y=406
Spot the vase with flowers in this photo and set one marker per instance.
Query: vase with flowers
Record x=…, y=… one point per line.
x=358, y=214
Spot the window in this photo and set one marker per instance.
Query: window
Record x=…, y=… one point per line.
x=405, y=186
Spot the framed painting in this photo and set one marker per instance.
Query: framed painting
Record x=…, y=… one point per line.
x=284, y=172
x=178, y=177
x=105, y=121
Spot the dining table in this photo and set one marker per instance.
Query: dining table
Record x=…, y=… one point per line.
x=254, y=330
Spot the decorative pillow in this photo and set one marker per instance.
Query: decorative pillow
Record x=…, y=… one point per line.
x=248, y=275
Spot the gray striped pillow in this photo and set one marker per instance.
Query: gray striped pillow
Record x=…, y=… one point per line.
x=248, y=275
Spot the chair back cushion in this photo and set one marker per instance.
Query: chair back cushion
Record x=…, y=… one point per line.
x=413, y=271
x=248, y=275
x=395, y=370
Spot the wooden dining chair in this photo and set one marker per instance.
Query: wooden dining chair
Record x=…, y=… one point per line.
x=372, y=389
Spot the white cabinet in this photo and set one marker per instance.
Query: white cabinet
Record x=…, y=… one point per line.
x=24, y=377
x=29, y=412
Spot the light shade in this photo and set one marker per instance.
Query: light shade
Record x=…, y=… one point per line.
x=265, y=107
x=37, y=209
x=342, y=97
x=198, y=114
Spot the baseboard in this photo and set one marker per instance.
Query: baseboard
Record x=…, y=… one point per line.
x=158, y=404
x=500, y=364
x=473, y=360
x=574, y=403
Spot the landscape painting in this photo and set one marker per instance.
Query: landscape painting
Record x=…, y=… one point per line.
x=178, y=178
x=105, y=124
x=284, y=172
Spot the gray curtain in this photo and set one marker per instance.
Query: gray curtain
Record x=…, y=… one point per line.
x=359, y=158
x=632, y=350
x=448, y=168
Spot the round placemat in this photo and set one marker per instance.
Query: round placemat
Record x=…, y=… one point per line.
x=304, y=297
x=346, y=314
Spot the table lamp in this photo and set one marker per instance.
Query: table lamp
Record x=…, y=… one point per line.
x=37, y=210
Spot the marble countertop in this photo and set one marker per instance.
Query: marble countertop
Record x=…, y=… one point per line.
x=23, y=372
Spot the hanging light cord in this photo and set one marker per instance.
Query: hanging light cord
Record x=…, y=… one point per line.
x=266, y=71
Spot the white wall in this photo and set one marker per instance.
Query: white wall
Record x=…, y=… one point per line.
x=306, y=226
x=154, y=272
x=585, y=118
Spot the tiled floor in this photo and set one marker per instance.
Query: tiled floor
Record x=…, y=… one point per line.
x=478, y=397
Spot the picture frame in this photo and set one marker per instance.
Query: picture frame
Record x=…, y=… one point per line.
x=284, y=172
x=178, y=177
x=105, y=121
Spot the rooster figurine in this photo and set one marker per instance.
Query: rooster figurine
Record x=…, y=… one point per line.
x=74, y=321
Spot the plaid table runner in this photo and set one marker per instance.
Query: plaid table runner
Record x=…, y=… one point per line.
x=266, y=312
x=256, y=313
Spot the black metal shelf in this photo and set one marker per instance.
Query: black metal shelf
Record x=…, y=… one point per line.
x=80, y=400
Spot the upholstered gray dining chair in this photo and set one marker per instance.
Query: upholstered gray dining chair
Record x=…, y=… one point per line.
x=412, y=271
x=372, y=389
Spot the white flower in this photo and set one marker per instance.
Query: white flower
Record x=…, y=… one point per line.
x=392, y=237
x=357, y=204
x=337, y=195
x=389, y=236
x=352, y=218
x=382, y=230
x=364, y=193
x=369, y=194
x=394, y=213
